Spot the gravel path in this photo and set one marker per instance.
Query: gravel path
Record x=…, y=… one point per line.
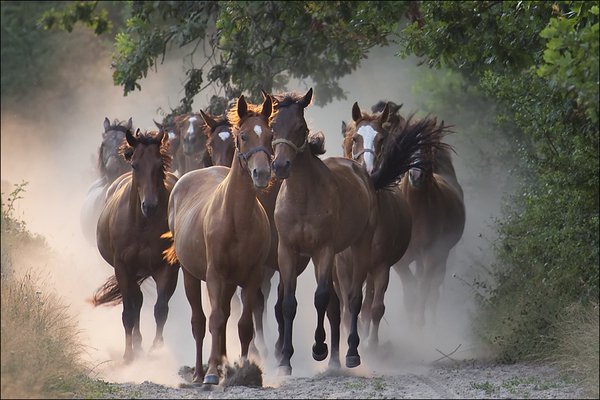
x=467, y=379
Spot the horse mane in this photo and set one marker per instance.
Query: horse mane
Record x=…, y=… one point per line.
x=233, y=117
x=285, y=100
x=316, y=142
x=400, y=152
x=149, y=138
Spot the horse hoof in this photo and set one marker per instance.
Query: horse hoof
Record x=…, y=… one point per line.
x=320, y=356
x=352, y=361
x=284, y=370
x=211, y=379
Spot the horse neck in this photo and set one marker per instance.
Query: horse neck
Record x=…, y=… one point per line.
x=237, y=186
x=307, y=169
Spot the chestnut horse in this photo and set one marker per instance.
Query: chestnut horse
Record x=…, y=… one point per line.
x=322, y=208
x=221, y=233
x=437, y=207
x=129, y=235
x=220, y=147
x=364, y=141
x=110, y=166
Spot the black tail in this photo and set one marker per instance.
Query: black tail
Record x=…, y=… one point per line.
x=400, y=153
x=109, y=293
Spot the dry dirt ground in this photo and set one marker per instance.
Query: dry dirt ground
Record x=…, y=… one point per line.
x=465, y=379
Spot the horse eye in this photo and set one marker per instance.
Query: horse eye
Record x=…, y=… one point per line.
x=354, y=139
x=244, y=137
x=133, y=166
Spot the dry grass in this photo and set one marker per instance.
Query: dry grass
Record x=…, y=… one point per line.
x=578, y=346
x=40, y=351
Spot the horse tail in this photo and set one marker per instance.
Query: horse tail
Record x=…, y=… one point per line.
x=401, y=152
x=169, y=254
x=110, y=293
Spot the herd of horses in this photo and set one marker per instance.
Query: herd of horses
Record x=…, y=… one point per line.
x=232, y=199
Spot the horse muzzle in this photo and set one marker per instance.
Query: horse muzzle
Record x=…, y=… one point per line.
x=282, y=168
x=149, y=209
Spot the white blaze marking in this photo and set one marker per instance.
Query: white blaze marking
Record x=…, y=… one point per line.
x=368, y=134
x=224, y=135
x=258, y=130
x=171, y=135
x=191, y=127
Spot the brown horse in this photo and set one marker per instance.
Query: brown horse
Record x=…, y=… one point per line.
x=364, y=141
x=221, y=233
x=129, y=230
x=194, y=140
x=171, y=125
x=220, y=147
x=110, y=166
x=322, y=208
x=436, y=202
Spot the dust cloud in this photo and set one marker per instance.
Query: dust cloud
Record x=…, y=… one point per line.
x=53, y=145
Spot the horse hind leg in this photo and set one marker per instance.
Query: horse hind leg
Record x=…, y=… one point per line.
x=257, y=344
x=365, y=318
x=166, y=282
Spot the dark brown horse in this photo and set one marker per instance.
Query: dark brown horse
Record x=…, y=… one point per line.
x=110, y=166
x=436, y=202
x=322, y=208
x=129, y=235
x=221, y=233
x=221, y=147
x=364, y=141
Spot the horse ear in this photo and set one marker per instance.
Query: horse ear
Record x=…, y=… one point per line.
x=208, y=120
x=265, y=94
x=129, y=123
x=159, y=126
x=267, y=106
x=242, y=107
x=162, y=137
x=307, y=98
x=106, y=124
x=131, y=140
x=344, y=128
x=356, y=114
x=385, y=113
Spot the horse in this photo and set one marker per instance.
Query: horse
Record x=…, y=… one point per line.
x=110, y=165
x=364, y=139
x=171, y=125
x=221, y=233
x=129, y=236
x=220, y=146
x=194, y=143
x=323, y=207
x=437, y=207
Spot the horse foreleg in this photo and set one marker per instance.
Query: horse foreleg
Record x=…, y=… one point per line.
x=436, y=277
x=343, y=279
x=257, y=313
x=367, y=307
x=287, y=268
x=361, y=255
x=194, y=296
x=132, y=303
x=218, y=292
x=409, y=287
x=166, y=282
x=279, y=317
x=245, y=324
x=333, y=315
x=381, y=278
x=323, y=262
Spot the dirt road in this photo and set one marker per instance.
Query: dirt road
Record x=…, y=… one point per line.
x=467, y=379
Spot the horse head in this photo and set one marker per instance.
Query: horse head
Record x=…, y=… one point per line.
x=110, y=163
x=220, y=144
x=253, y=137
x=365, y=136
x=148, y=154
x=194, y=141
x=290, y=131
